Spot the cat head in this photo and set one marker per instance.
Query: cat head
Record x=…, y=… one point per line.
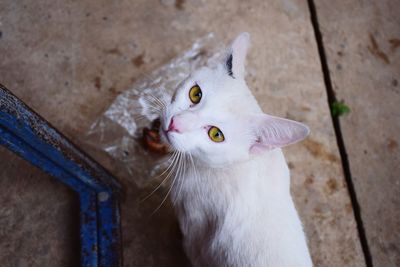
x=214, y=116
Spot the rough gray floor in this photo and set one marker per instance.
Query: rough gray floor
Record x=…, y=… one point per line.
x=69, y=59
x=362, y=41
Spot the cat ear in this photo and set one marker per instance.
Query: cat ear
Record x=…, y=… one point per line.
x=237, y=55
x=272, y=132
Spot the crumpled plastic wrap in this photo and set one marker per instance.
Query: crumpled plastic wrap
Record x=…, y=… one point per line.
x=118, y=131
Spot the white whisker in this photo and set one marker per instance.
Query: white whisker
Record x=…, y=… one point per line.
x=173, y=182
x=162, y=104
x=151, y=99
x=151, y=103
x=194, y=167
x=181, y=180
x=153, y=107
x=170, y=166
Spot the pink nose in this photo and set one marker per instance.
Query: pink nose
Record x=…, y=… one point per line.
x=172, y=126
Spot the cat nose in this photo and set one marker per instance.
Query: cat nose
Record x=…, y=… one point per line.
x=172, y=126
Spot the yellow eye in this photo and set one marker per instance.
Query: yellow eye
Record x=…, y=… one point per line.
x=215, y=134
x=195, y=94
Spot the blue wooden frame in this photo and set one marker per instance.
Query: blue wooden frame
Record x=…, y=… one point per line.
x=31, y=137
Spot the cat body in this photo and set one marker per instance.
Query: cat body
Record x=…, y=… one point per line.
x=233, y=198
x=241, y=215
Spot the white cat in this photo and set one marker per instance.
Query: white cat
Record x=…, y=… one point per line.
x=233, y=201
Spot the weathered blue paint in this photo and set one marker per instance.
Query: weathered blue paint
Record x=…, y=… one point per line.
x=31, y=137
x=21, y=148
x=88, y=236
x=28, y=126
x=109, y=233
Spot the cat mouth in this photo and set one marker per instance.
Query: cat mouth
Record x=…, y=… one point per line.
x=166, y=130
x=166, y=136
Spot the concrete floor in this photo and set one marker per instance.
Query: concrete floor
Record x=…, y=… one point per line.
x=68, y=60
x=364, y=59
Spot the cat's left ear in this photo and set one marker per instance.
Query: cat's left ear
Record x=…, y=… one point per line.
x=237, y=55
x=272, y=132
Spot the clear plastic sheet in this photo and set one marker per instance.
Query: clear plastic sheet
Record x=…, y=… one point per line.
x=118, y=131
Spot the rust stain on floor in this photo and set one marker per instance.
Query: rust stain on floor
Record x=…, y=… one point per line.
x=138, y=60
x=331, y=186
x=113, y=51
x=97, y=82
x=376, y=50
x=309, y=180
x=318, y=150
x=179, y=4
x=392, y=144
x=394, y=44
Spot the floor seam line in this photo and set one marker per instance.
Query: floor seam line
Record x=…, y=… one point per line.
x=339, y=137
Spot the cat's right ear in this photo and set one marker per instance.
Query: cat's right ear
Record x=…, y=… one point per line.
x=237, y=55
